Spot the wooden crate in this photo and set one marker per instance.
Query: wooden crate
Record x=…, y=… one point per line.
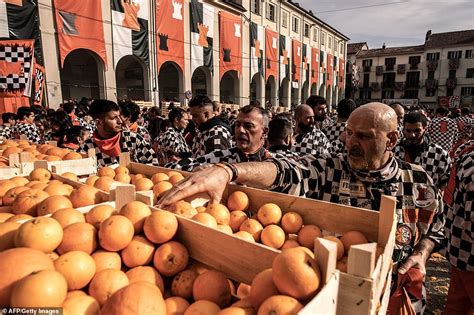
x=241, y=260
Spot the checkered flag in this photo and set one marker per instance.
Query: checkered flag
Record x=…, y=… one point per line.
x=16, y=58
x=39, y=84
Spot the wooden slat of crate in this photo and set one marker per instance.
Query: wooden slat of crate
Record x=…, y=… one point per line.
x=9, y=172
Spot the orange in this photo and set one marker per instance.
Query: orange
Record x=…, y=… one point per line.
x=308, y=234
x=159, y=177
x=67, y=217
x=253, y=227
x=202, y=307
x=206, y=219
x=171, y=258
x=53, y=204
x=46, y=288
x=104, y=183
x=11, y=194
x=51, y=158
x=106, y=171
x=27, y=201
x=219, y=212
x=19, y=217
x=136, y=212
x=70, y=175
x=85, y=196
x=122, y=170
x=83, y=304
x=105, y=283
x=72, y=156
x=4, y=216
x=342, y=264
x=7, y=234
x=290, y=244
x=245, y=236
x=212, y=286
x=237, y=217
x=291, y=222
x=6, y=186
x=40, y=174
x=262, y=288
x=160, y=227
x=44, y=234
x=353, y=238
x=143, y=184
x=106, y=260
x=58, y=152
x=147, y=274
x=280, y=304
x=98, y=214
x=176, y=179
x=225, y=229
x=115, y=233
x=183, y=208
x=78, y=236
x=58, y=189
x=176, y=305
x=12, y=150
x=19, y=180
x=238, y=201
x=269, y=213
x=273, y=236
x=161, y=187
x=90, y=181
x=139, y=252
x=123, y=178
x=182, y=284
x=77, y=267
x=340, y=245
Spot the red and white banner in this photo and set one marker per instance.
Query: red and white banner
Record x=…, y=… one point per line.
x=170, y=32
x=314, y=65
x=80, y=25
x=271, y=54
x=40, y=79
x=296, y=58
x=230, y=43
x=16, y=67
x=341, y=73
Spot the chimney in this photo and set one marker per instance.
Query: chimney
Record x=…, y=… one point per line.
x=428, y=34
x=383, y=46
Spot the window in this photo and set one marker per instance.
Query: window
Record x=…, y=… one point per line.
x=452, y=74
x=306, y=30
x=366, y=80
x=470, y=73
x=454, y=54
x=323, y=38
x=467, y=91
x=255, y=6
x=284, y=19
x=432, y=56
x=390, y=63
x=411, y=94
x=365, y=94
x=388, y=81
x=329, y=42
x=295, y=24
x=469, y=54
x=315, y=35
x=413, y=79
x=270, y=12
x=431, y=75
x=449, y=92
x=388, y=94
x=430, y=92
x=367, y=63
x=414, y=59
x=341, y=50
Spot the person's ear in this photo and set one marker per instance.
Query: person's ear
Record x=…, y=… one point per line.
x=392, y=140
x=265, y=132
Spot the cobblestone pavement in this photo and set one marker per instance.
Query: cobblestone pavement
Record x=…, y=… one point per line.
x=437, y=283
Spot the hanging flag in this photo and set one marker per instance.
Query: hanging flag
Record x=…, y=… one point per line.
x=202, y=34
x=314, y=66
x=322, y=74
x=296, y=65
x=271, y=54
x=170, y=32
x=329, y=65
x=285, y=46
x=306, y=60
x=256, y=49
x=341, y=73
x=19, y=20
x=230, y=43
x=130, y=29
x=80, y=26
x=16, y=67
x=335, y=73
x=40, y=77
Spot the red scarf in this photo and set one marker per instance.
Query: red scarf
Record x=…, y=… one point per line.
x=110, y=146
x=409, y=285
x=133, y=127
x=74, y=120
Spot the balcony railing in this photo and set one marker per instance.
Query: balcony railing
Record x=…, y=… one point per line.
x=451, y=83
x=399, y=86
x=412, y=84
x=431, y=84
x=401, y=69
x=432, y=65
x=453, y=64
x=379, y=70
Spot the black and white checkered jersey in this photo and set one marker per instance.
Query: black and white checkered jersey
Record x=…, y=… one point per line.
x=140, y=150
x=333, y=131
x=5, y=132
x=142, y=131
x=459, y=227
x=323, y=125
x=462, y=147
x=283, y=150
x=313, y=142
x=172, y=141
x=434, y=160
x=232, y=155
x=419, y=204
x=29, y=130
x=211, y=136
x=443, y=131
x=465, y=127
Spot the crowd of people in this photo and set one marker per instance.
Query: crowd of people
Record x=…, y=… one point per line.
x=424, y=160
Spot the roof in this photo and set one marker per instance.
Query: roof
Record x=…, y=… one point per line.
x=405, y=50
x=457, y=38
x=354, y=48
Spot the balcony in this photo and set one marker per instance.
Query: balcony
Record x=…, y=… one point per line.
x=412, y=84
x=379, y=70
x=431, y=84
x=453, y=64
x=451, y=83
x=432, y=65
x=399, y=86
x=401, y=69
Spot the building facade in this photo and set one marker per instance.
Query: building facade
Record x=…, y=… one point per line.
x=310, y=54
x=438, y=73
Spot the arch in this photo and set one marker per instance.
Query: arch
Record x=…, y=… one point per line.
x=304, y=91
x=256, y=92
x=271, y=91
x=230, y=87
x=82, y=75
x=132, y=79
x=201, y=81
x=322, y=91
x=314, y=89
x=170, y=82
x=284, y=93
